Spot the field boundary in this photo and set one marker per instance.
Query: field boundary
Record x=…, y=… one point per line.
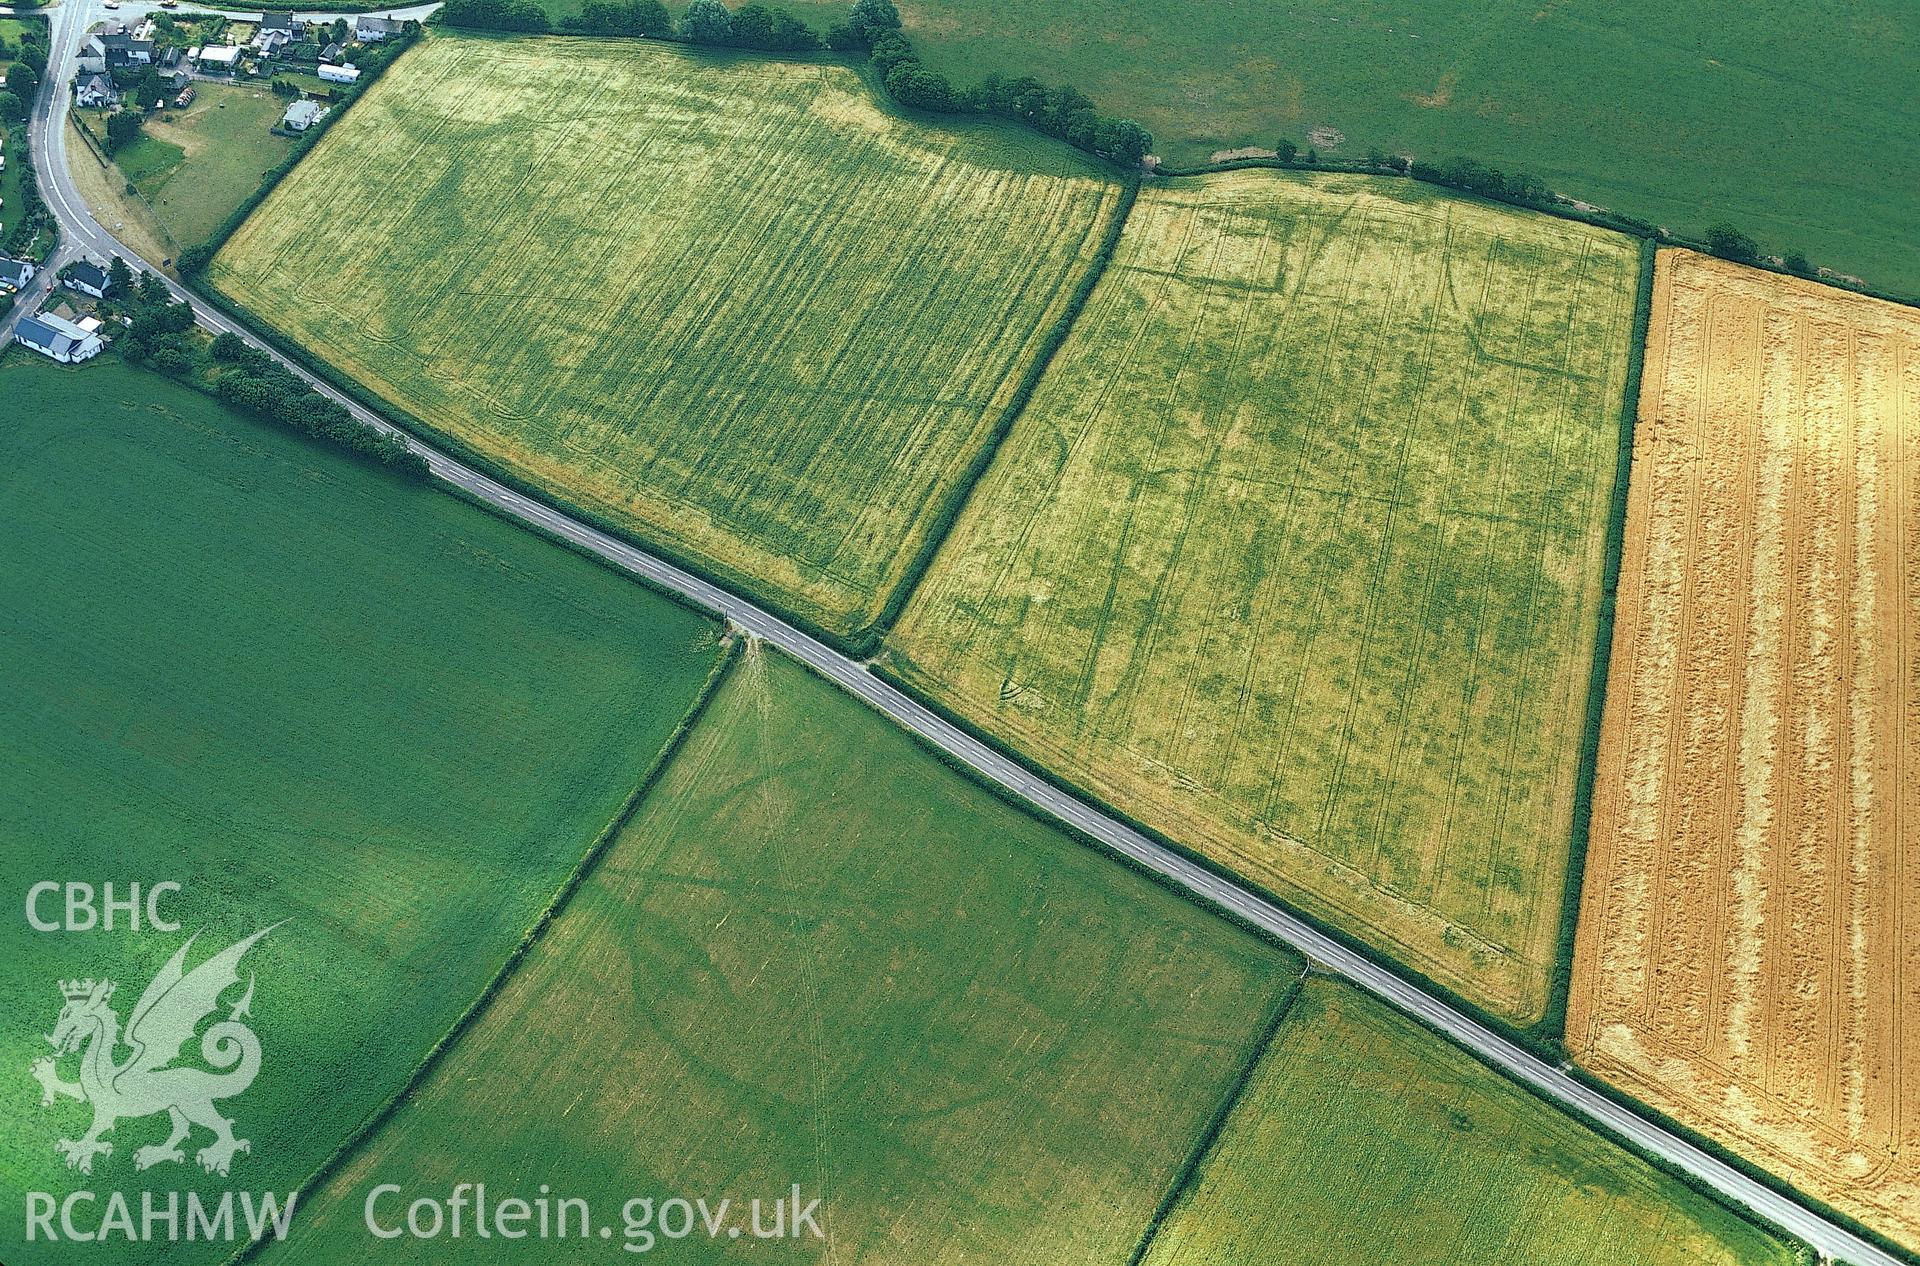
x=1698, y=1186
x=1558, y=209
x=562, y=896
x=869, y=638
x=1586, y=764
x=1216, y=1125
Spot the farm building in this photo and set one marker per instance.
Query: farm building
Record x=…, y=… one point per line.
x=87, y=276
x=57, y=338
x=339, y=74
x=302, y=115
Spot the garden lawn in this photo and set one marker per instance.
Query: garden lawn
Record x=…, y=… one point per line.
x=196, y=169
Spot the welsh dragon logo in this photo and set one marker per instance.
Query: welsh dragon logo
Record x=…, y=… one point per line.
x=145, y=1082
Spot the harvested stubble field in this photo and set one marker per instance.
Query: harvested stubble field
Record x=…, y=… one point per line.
x=1361, y=1137
x=728, y=304
x=818, y=956
x=1745, y=960
x=303, y=689
x=1296, y=554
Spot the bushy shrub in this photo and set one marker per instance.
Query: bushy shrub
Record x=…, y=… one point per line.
x=495, y=15
x=620, y=17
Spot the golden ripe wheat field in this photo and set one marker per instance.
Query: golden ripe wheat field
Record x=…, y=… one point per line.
x=1746, y=959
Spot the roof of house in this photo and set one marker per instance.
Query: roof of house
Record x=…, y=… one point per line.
x=303, y=113
x=221, y=54
x=14, y=271
x=375, y=24
x=92, y=274
x=277, y=22
x=332, y=51
x=120, y=39
x=61, y=324
x=96, y=82
x=50, y=334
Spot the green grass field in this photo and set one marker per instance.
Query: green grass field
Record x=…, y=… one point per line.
x=1362, y=1137
x=726, y=303
x=818, y=956
x=1793, y=121
x=1296, y=554
x=196, y=169
x=304, y=690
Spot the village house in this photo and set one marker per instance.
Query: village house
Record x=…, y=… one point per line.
x=119, y=49
x=57, y=338
x=302, y=115
x=88, y=277
x=371, y=30
x=15, y=273
x=95, y=90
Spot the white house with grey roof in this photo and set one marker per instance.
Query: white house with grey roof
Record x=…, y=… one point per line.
x=57, y=338
x=85, y=275
x=302, y=115
x=15, y=273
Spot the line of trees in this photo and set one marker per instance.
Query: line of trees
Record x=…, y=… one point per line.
x=1061, y=111
x=252, y=380
x=754, y=26
x=24, y=82
x=495, y=15
x=872, y=29
x=1523, y=189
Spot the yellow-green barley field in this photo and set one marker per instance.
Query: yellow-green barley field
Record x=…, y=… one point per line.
x=1296, y=554
x=728, y=305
